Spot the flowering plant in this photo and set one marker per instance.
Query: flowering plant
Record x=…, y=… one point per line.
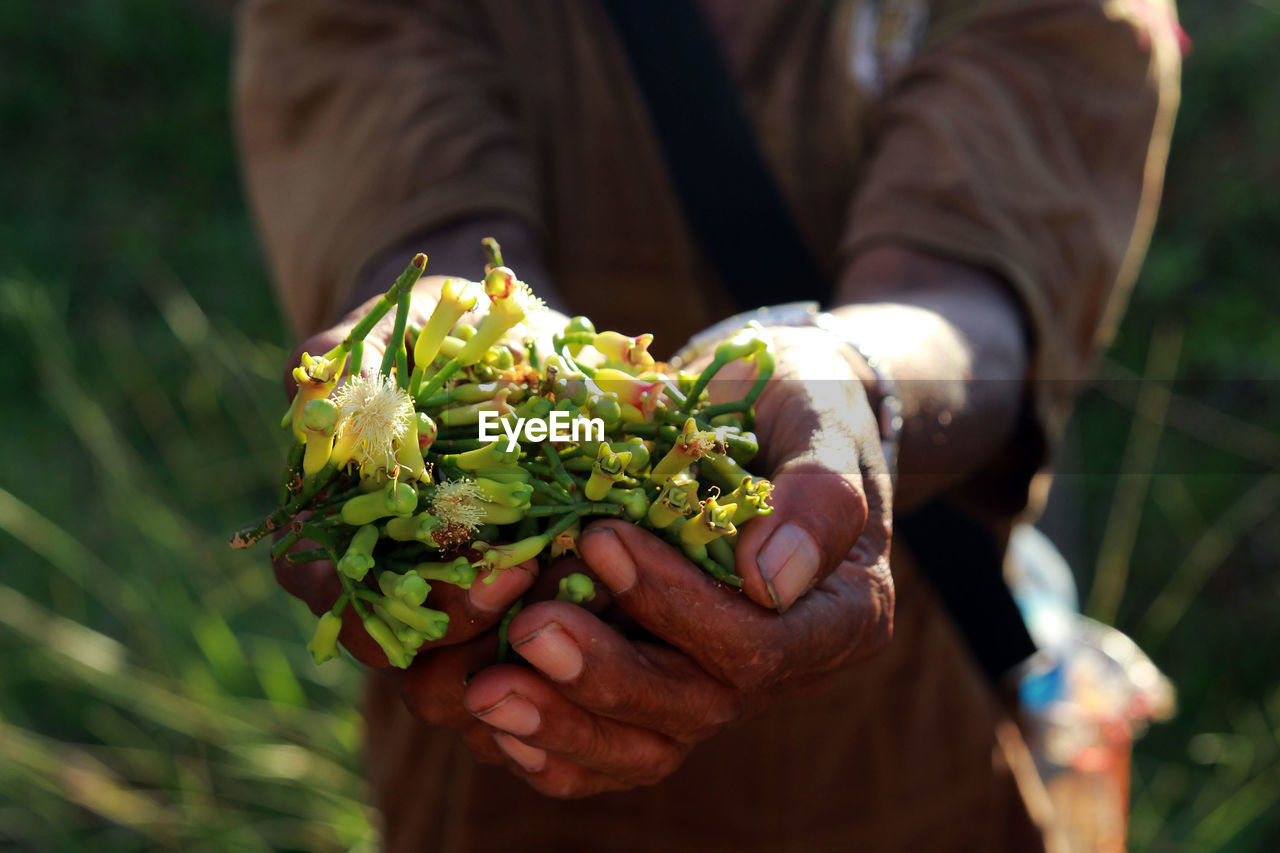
x=389, y=479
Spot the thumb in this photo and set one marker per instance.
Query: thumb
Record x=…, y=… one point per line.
x=818, y=515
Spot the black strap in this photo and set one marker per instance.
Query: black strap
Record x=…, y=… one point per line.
x=726, y=189
x=735, y=209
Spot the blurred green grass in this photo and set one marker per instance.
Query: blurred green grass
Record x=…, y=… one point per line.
x=154, y=688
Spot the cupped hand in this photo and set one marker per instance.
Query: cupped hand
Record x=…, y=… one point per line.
x=471, y=612
x=600, y=712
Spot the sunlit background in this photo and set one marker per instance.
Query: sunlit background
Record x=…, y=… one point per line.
x=154, y=687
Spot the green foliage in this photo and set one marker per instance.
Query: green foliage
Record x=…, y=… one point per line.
x=154, y=691
x=152, y=695
x=1201, y=593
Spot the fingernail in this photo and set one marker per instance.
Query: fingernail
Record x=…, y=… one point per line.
x=609, y=559
x=514, y=714
x=530, y=758
x=788, y=562
x=499, y=595
x=552, y=651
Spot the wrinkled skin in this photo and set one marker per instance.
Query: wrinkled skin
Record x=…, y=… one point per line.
x=621, y=691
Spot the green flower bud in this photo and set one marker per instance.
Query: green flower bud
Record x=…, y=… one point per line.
x=380, y=632
x=497, y=557
x=639, y=451
x=456, y=299
x=491, y=513
x=427, y=430
x=676, y=500
x=608, y=410
x=324, y=643
x=490, y=456
x=503, y=314
x=409, y=587
x=500, y=357
x=579, y=324
x=535, y=407
x=358, y=559
x=410, y=638
x=516, y=494
x=609, y=467
x=415, y=528
x=503, y=475
x=631, y=353
x=470, y=413
x=432, y=624
x=633, y=501
x=692, y=445
x=752, y=498
x=745, y=344
x=713, y=520
x=577, y=327
x=576, y=588
x=459, y=572
x=395, y=499
x=409, y=454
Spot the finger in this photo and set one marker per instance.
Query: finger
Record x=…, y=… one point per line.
x=432, y=687
x=551, y=775
x=639, y=684
x=525, y=705
x=733, y=639
x=821, y=442
x=476, y=610
x=818, y=515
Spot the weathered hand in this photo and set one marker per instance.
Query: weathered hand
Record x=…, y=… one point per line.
x=600, y=712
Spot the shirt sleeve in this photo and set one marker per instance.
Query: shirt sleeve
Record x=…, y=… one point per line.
x=1029, y=137
x=361, y=122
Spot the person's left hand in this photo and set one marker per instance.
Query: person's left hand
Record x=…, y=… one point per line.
x=600, y=712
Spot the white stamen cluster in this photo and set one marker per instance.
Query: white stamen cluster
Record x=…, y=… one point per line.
x=530, y=307
x=373, y=414
x=457, y=502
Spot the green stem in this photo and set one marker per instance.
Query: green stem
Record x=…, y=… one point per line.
x=385, y=303
x=284, y=543
x=349, y=588
x=311, y=555
x=709, y=412
x=563, y=524
x=719, y=572
x=457, y=445
x=563, y=352
x=558, y=471
x=250, y=535
x=395, y=353
x=504, y=648
x=492, y=251
x=579, y=508
x=552, y=491
x=700, y=384
x=665, y=432
x=357, y=358
x=435, y=383
x=291, y=474
x=434, y=401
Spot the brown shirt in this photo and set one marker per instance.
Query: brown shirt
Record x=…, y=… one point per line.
x=1026, y=136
